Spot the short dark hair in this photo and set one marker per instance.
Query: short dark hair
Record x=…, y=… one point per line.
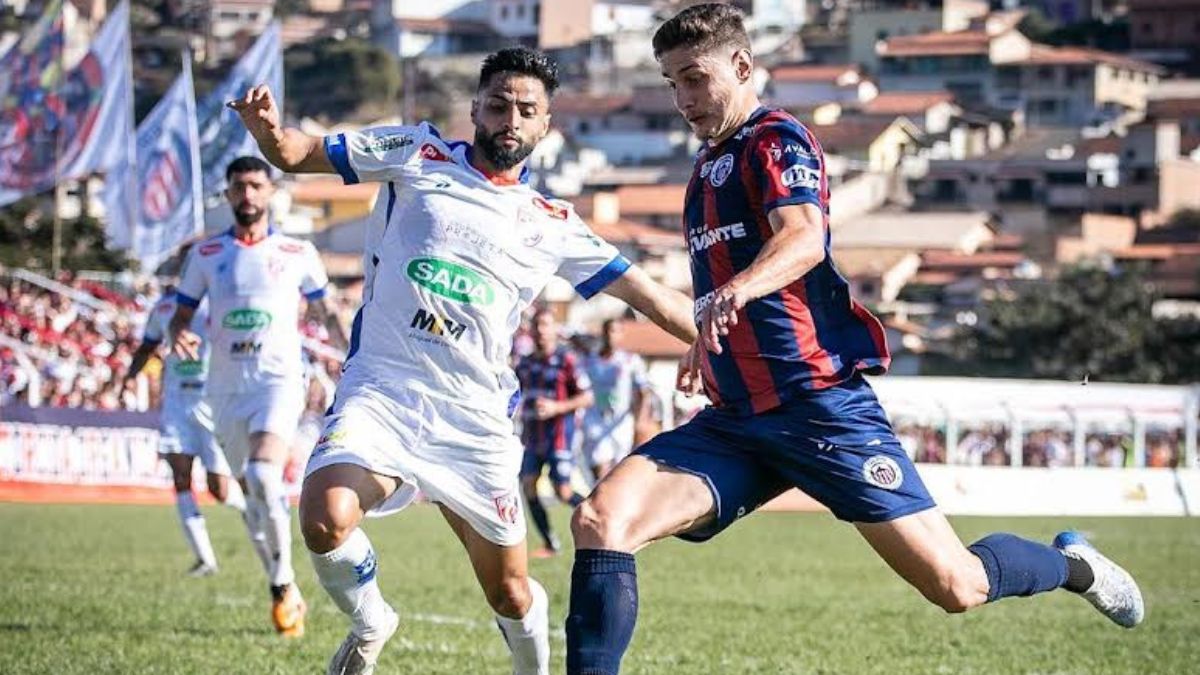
x=704, y=26
x=520, y=61
x=247, y=164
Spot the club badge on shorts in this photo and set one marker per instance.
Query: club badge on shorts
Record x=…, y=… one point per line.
x=507, y=507
x=883, y=472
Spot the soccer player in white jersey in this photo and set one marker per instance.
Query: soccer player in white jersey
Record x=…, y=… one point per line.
x=621, y=396
x=253, y=277
x=186, y=428
x=459, y=246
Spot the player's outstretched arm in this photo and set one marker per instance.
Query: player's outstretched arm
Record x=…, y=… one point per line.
x=665, y=306
x=290, y=150
x=797, y=246
x=140, y=358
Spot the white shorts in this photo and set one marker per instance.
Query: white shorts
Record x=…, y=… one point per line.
x=607, y=441
x=186, y=428
x=272, y=408
x=464, y=459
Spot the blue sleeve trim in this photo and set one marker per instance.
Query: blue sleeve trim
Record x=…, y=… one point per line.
x=339, y=157
x=600, y=280
x=187, y=300
x=315, y=295
x=814, y=199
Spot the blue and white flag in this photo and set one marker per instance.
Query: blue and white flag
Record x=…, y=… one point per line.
x=223, y=137
x=168, y=174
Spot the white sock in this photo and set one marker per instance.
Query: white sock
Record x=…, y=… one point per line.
x=528, y=638
x=266, y=488
x=348, y=575
x=234, y=497
x=194, y=529
x=255, y=518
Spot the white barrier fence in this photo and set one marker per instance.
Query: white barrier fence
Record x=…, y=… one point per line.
x=84, y=453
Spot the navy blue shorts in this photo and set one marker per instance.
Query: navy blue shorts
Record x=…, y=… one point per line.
x=560, y=460
x=836, y=445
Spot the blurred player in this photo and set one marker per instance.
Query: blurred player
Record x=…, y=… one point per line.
x=253, y=278
x=781, y=354
x=622, y=399
x=459, y=246
x=553, y=389
x=186, y=428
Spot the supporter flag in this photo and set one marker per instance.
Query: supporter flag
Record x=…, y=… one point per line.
x=223, y=137
x=169, y=208
x=55, y=124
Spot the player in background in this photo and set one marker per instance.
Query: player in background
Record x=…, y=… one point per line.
x=553, y=389
x=459, y=246
x=622, y=399
x=186, y=428
x=253, y=278
x=782, y=352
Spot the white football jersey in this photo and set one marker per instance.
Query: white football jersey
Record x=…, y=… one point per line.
x=451, y=260
x=181, y=377
x=253, y=294
x=613, y=382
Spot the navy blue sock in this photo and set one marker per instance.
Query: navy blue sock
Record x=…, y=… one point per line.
x=603, y=612
x=1017, y=566
x=541, y=521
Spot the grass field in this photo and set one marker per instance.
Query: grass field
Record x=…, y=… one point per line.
x=100, y=589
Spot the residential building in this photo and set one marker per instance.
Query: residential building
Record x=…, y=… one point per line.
x=807, y=85
x=233, y=25
x=995, y=65
x=635, y=128
x=1166, y=32
x=877, y=144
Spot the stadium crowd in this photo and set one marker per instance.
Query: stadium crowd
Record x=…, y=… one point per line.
x=75, y=352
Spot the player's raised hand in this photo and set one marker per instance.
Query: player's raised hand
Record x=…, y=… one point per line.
x=258, y=111
x=186, y=345
x=688, y=378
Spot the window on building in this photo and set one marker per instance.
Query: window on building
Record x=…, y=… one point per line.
x=520, y=11
x=537, y=13
x=1045, y=73
x=1147, y=29
x=504, y=12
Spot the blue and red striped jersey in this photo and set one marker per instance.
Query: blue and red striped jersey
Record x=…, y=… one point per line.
x=555, y=376
x=810, y=334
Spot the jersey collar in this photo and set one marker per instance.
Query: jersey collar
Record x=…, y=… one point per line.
x=232, y=232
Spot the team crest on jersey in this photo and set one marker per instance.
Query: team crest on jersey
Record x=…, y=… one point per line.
x=275, y=267
x=558, y=212
x=721, y=169
x=883, y=472
x=705, y=169
x=429, y=152
x=211, y=248
x=507, y=507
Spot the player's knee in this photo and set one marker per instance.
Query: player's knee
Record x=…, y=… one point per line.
x=510, y=597
x=217, y=487
x=326, y=528
x=956, y=592
x=594, y=526
x=182, y=482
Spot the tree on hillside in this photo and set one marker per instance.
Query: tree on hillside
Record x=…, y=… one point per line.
x=334, y=78
x=27, y=235
x=1090, y=322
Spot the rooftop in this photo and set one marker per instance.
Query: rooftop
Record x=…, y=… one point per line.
x=958, y=43
x=914, y=230
x=811, y=72
x=905, y=102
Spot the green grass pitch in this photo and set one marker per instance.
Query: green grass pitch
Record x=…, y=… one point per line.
x=101, y=589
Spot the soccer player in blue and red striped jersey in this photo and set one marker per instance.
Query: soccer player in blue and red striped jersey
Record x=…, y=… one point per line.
x=553, y=388
x=781, y=354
